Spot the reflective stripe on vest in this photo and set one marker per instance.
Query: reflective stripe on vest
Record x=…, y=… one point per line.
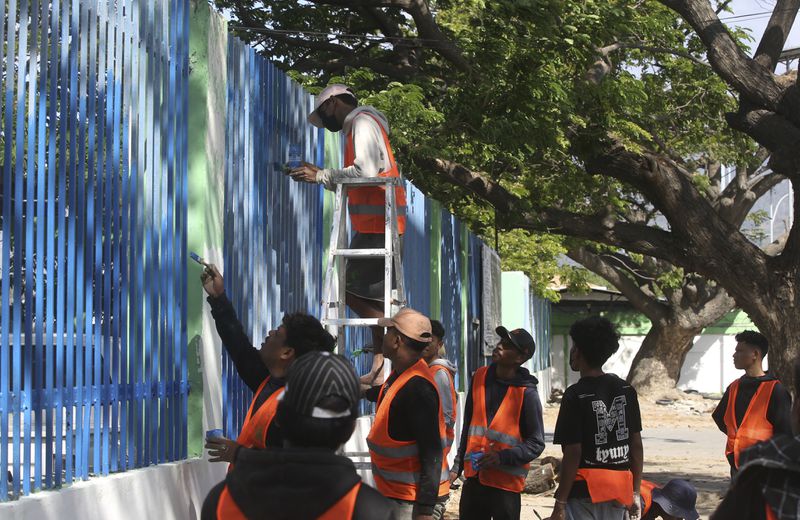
x=367, y=204
x=227, y=508
x=755, y=427
x=502, y=433
x=395, y=464
x=449, y=431
x=255, y=427
x=606, y=485
x=343, y=509
x=646, y=492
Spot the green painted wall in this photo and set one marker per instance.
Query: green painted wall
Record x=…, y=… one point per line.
x=515, y=294
x=205, y=196
x=632, y=323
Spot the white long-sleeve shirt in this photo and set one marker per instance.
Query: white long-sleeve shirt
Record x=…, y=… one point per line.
x=371, y=156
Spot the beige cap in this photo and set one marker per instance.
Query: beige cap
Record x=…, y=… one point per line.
x=328, y=92
x=411, y=323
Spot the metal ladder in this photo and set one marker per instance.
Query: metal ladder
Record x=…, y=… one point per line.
x=334, y=310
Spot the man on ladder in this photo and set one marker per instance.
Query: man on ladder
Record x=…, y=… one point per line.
x=367, y=154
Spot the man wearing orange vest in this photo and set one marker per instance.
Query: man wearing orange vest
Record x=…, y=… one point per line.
x=306, y=479
x=754, y=407
x=407, y=436
x=599, y=429
x=503, y=431
x=262, y=370
x=767, y=486
x=368, y=153
x=675, y=501
x=443, y=372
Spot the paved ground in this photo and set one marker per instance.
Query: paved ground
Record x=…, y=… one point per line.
x=679, y=441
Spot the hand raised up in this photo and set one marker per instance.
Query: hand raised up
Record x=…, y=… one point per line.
x=213, y=283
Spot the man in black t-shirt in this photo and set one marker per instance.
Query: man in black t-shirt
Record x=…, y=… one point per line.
x=599, y=429
x=760, y=399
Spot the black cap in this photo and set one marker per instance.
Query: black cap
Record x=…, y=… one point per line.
x=677, y=498
x=520, y=338
x=318, y=376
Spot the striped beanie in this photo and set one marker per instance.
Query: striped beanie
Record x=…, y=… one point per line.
x=322, y=378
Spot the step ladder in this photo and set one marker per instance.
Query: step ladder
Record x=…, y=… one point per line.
x=334, y=310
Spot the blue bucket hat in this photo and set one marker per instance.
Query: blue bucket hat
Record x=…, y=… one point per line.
x=677, y=498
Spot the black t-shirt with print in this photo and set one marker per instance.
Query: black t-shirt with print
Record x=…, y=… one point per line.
x=600, y=413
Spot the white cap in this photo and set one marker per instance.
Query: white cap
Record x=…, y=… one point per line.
x=328, y=92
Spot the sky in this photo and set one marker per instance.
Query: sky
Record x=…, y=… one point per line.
x=758, y=22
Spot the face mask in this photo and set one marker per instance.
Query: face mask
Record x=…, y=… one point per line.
x=330, y=122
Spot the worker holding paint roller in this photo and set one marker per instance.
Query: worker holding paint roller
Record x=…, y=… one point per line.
x=368, y=153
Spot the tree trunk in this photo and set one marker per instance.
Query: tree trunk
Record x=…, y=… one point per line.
x=777, y=316
x=656, y=368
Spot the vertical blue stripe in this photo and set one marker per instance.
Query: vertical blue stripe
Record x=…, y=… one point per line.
x=60, y=401
x=29, y=345
x=126, y=408
x=6, y=82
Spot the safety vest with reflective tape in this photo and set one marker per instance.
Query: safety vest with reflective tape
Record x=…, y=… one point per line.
x=755, y=427
x=449, y=430
x=395, y=464
x=646, y=492
x=255, y=427
x=367, y=204
x=502, y=433
x=227, y=509
x=606, y=485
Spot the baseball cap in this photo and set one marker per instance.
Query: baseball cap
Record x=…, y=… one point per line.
x=411, y=323
x=520, y=338
x=677, y=498
x=328, y=92
x=315, y=378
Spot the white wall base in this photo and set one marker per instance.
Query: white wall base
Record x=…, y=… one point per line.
x=708, y=367
x=166, y=491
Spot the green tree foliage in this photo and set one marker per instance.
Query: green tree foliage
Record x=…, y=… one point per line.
x=606, y=121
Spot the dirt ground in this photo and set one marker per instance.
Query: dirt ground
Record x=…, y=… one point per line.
x=680, y=440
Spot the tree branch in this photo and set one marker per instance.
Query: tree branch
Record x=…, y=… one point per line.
x=780, y=23
x=647, y=305
x=773, y=132
x=754, y=82
x=477, y=182
x=424, y=20
x=605, y=51
x=718, y=306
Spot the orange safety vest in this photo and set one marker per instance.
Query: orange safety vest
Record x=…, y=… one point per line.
x=342, y=510
x=606, y=485
x=395, y=464
x=367, y=204
x=502, y=433
x=255, y=427
x=770, y=514
x=755, y=427
x=646, y=492
x=449, y=431
x=227, y=509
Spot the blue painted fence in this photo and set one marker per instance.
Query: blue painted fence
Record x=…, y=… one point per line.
x=93, y=223
x=273, y=225
x=275, y=233
x=93, y=203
